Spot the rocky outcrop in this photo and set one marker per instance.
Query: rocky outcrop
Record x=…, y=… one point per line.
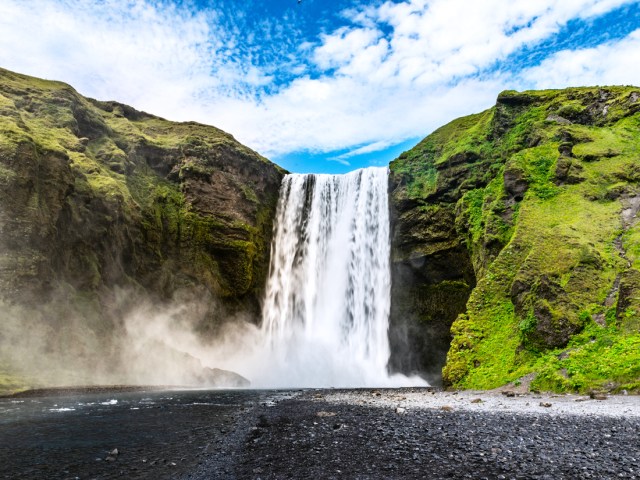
x=97, y=198
x=511, y=243
x=97, y=194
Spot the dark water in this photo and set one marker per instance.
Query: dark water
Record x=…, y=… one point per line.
x=157, y=434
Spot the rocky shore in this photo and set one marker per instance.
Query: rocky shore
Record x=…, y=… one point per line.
x=421, y=433
x=329, y=434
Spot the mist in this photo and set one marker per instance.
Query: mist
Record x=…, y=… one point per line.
x=135, y=340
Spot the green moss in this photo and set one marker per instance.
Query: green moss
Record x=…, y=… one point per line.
x=597, y=359
x=538, y=166
x=543, y=246
x=417, y=168
x=126, y=198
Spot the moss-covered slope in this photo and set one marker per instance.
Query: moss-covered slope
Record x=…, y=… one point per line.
x=520, y=224
x=96, y=195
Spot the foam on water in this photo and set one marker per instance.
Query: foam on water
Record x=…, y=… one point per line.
x=327, y=301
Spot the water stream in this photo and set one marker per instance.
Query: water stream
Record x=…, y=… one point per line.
x=326, y=309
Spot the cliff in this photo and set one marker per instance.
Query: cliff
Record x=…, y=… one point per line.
x=515, y=239
x=97, y=199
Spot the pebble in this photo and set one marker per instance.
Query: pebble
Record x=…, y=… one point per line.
x=485, y=440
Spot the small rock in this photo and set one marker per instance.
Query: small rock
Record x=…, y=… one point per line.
x=509, y=393
x=325, y=414
x=545, y=404
x=113, y=455
x=447, y=408
x=476, y=400
x=598, y=396
x=258, y=470
x=400, y=410
x=558, y=119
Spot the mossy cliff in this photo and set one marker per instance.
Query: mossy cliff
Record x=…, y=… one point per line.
x=515, y=238
x=96, y=197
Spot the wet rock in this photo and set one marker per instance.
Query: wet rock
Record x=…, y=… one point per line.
x=558, y=119
x=515, y=182
x=217, y=377
x=568, y=171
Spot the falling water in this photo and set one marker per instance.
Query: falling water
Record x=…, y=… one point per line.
x=326, y=309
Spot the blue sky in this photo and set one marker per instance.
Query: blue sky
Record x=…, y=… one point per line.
x=321, y=86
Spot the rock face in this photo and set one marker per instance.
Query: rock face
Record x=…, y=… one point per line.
x=97, y=198
x=516, y=248
x=97, y=194
x=515, y=241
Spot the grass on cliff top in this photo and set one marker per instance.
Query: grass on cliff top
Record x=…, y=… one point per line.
x=463, y=135
x=417, y=166
x=48, y=119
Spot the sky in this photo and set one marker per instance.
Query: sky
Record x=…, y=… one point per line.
x=323, y=86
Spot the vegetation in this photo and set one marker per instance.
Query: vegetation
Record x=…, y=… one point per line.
x=516, y=241
x=544, y=191
x=97, y=196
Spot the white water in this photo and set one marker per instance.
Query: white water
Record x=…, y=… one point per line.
x=326, y=309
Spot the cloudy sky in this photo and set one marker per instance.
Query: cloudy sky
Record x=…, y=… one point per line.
x=321, y=85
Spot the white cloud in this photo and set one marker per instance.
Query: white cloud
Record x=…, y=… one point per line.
x=613, y=63
x=393, y=71
x=369, y=148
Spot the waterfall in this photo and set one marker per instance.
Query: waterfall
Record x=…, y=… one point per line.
x=327, y=300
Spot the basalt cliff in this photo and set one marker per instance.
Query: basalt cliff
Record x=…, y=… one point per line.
x=516, y=245
x=102, y=205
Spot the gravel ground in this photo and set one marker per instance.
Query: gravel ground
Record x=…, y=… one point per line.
x=417, y=434
x=327, y=434
x=492, y=401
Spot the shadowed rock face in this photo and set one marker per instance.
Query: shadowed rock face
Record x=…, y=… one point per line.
x=96, y=195
x=512, y=242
